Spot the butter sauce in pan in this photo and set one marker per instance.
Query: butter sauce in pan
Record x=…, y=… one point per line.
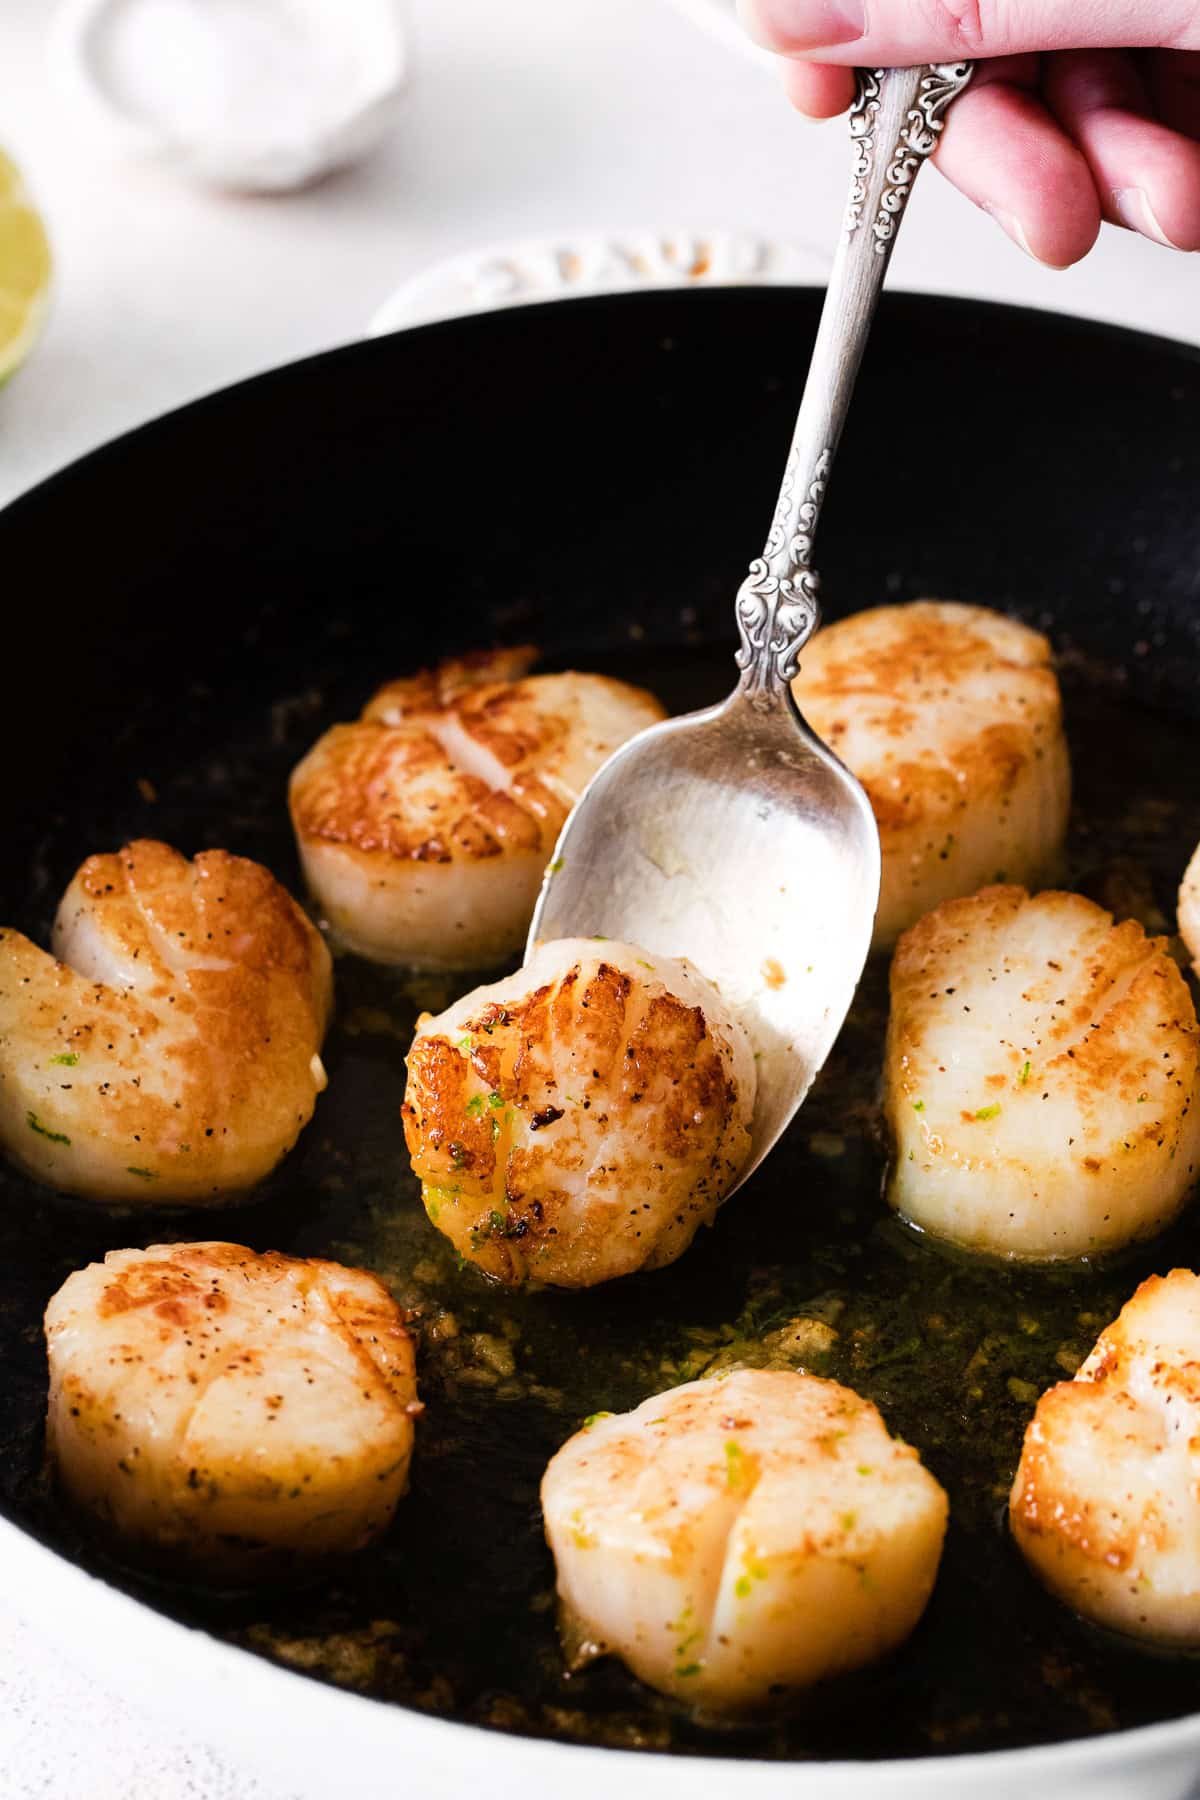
x=453, y=1611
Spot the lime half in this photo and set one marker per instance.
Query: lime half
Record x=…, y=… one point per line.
x=24, y=270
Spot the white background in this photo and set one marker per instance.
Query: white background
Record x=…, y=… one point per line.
x=524, y=117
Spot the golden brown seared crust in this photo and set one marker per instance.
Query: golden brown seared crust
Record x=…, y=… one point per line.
x=185, y=1286
x=425, y=828
x=951, y=718
x=892, y=662
x=579, y=1131
x=441, y=768
x=432, y=690
x=388, y=790
x=1047, y=1506
x=1042, y=1080
x=1089, y=1030
x=223, y=918
x=224, y=1409
x=170, y=1051
x=1105, y=1501
x=271, y=990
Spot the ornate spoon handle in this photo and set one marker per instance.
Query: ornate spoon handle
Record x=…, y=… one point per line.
x=894, y=125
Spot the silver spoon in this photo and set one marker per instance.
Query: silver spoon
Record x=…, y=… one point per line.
x=733, y=836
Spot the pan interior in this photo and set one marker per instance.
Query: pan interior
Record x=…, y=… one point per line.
x=267, y=596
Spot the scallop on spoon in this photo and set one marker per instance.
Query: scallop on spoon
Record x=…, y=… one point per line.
x=733, y=836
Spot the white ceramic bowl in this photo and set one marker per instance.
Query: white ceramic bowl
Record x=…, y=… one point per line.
x=162, y=79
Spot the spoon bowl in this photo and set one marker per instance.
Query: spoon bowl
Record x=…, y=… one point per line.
x=734, y=837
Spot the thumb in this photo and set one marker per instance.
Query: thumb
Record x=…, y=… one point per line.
x=898, y=33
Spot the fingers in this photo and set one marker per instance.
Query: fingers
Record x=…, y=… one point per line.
x=1047, y=172
x=1146, y=175
x=891, y=33
x=819, y=90
x=1002, y=148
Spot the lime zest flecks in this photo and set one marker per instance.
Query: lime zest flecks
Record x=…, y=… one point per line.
x=1023, y=1077
x=918, y=1106
x=736, y=1471
x=145, y=1174
x=560, y=862
x=988, y=1112
x=690, y=1634
x=495, y=1100
x=66, y=1058
x=35, y=1124
x=594, y=1419
x=474, y=1106
x=433, y=1198
x=753, y=1571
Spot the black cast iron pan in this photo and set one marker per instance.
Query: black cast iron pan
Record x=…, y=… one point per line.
x=187, y=608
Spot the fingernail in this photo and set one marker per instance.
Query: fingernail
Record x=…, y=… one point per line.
x=791, y=25
x=1010, y=223
x=1133, y=208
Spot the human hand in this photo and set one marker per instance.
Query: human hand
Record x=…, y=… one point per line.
x=1058, y=130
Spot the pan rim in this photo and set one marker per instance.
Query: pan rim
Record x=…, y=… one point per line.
x=962, y=305
x=174, y=1656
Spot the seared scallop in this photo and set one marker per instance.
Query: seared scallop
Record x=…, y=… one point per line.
x=1106, y=1501
x=740, y=1538
x=1041, y=1077
x=950, y=716
x=582, y=1118
x=168, y=1050
x=217, y=1411
x=425, y=828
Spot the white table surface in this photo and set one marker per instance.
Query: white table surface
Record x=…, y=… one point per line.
x=524, y=117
